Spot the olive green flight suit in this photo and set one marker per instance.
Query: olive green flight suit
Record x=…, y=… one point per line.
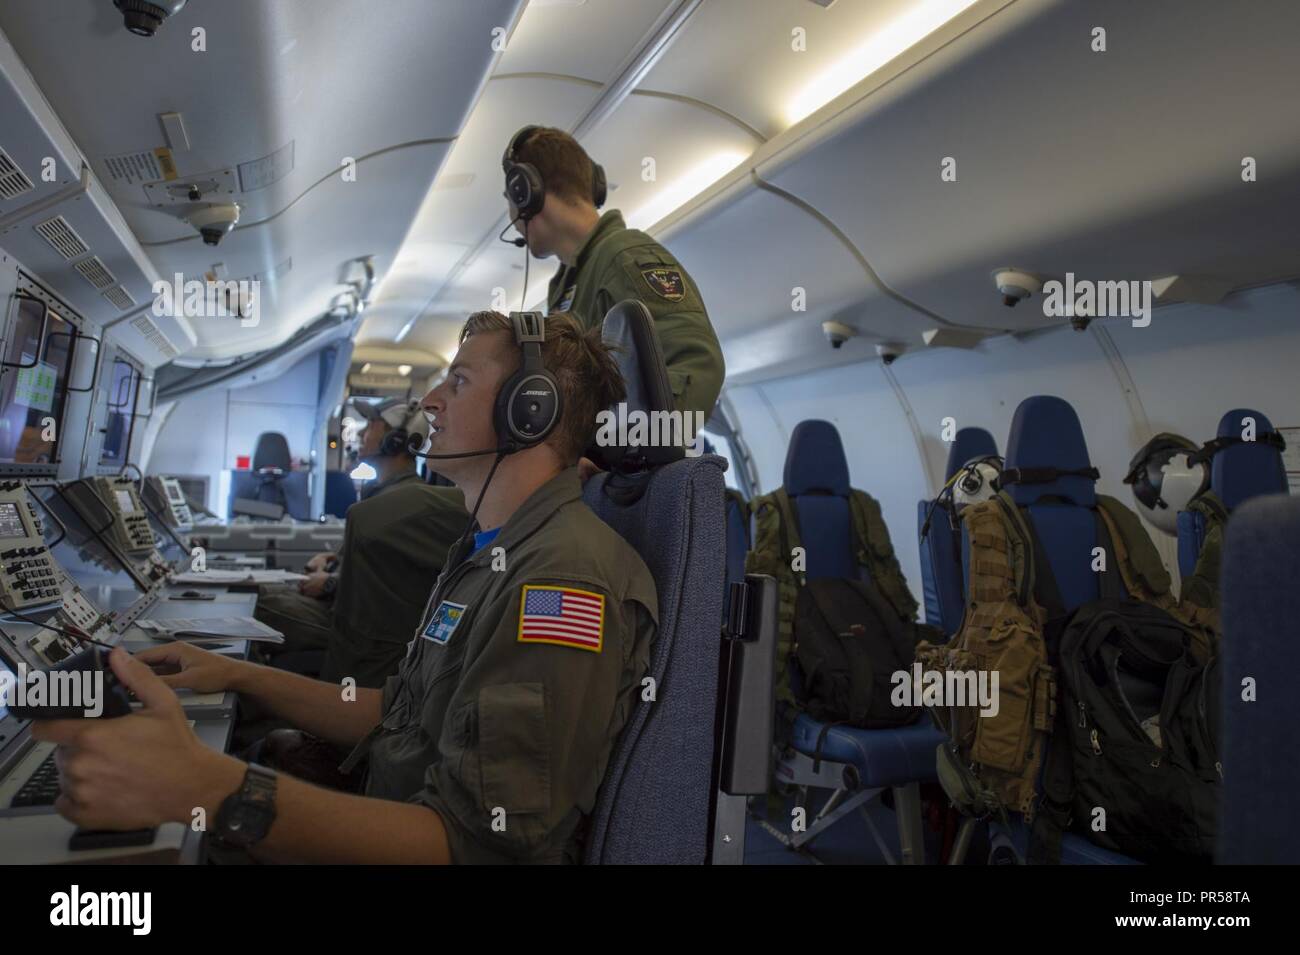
x=617, y=263
x=394, y=547
x=505, y=735
x=307, y=622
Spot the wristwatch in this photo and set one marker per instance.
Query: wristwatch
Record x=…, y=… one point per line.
x=246, y=815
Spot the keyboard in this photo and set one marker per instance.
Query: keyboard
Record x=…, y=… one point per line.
x=41, y=788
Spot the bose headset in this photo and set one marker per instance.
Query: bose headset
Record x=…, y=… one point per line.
x=525, y=186
x=527, y=407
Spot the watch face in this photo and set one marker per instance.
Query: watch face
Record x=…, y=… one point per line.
x=245, y=816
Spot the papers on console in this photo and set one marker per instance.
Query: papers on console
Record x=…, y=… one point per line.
x=205, y=629
x=214, y=576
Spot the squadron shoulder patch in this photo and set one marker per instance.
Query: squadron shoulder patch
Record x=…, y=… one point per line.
x=665, y=282
x=563, y=616
x=445, y=621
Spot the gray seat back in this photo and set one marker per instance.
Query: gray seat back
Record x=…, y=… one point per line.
x=655, y=802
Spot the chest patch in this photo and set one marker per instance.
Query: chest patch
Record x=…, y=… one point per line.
x=665, y=282
x=445, y=621
x=563, y=616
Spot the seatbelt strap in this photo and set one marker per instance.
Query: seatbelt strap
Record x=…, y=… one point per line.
x=1043, y=475
x=1212, y=447
x=1056, y=778
x=789, y=532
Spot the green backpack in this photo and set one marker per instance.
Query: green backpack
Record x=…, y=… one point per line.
x=776, y=535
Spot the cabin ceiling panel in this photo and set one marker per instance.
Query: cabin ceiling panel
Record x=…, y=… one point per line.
x=338, y=221
x=740, y=56
x=321, y=81
x=1126, y=164
x=588, y=38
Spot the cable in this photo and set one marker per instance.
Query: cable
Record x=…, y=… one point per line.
x=501, y=456
x=76, y=634
x=528, y=258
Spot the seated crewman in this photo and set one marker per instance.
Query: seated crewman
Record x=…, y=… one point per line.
x=491, y=742
x=304, y=612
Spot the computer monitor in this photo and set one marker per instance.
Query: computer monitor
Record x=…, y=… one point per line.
x=108, y=584
x=33, y=382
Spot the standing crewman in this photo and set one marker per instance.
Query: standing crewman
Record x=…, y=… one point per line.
x=554, y=190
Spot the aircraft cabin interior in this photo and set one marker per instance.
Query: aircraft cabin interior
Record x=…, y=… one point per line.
x=848, y=432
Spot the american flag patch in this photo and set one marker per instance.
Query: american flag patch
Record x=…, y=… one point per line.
x=562, y=615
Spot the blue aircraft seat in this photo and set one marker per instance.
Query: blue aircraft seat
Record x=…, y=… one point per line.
x=1261, y=640
x=1046, y=435
x=1238, y=472
x=857, y=765
x=940, y=544
x=675, y=787
x=340, y=493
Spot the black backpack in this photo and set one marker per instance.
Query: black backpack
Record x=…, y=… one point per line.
x=849, y=642
x=1135, y=735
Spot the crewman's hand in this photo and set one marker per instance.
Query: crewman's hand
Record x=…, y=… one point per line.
x=183, y=666
x=314, y=585
x=318, y=562
x=136, y=771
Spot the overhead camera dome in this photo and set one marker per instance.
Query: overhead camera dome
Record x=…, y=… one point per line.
x=144, y=18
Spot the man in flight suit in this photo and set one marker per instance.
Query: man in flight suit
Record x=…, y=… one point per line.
x=491, y=742
x=305, y=613
x=603, y=262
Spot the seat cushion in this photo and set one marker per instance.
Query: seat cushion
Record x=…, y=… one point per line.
x=889, y=757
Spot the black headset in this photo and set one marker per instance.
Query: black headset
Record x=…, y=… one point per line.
x=398, y=440
x=525, y=186
x=527, y=406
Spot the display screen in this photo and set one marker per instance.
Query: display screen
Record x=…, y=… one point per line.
x=174, y=492
x=11, y=522
x=33, y=383
x=124, y=503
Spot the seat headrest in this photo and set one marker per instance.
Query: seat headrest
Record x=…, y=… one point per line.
x=1246, y=469
x=629, y=330
x=272, y=451
x=815, y=462
x=969, y=443
x=1046, y=438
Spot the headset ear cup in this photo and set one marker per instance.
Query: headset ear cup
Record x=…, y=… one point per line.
x=525, y=189
x=599, y=185
x=394, y=442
